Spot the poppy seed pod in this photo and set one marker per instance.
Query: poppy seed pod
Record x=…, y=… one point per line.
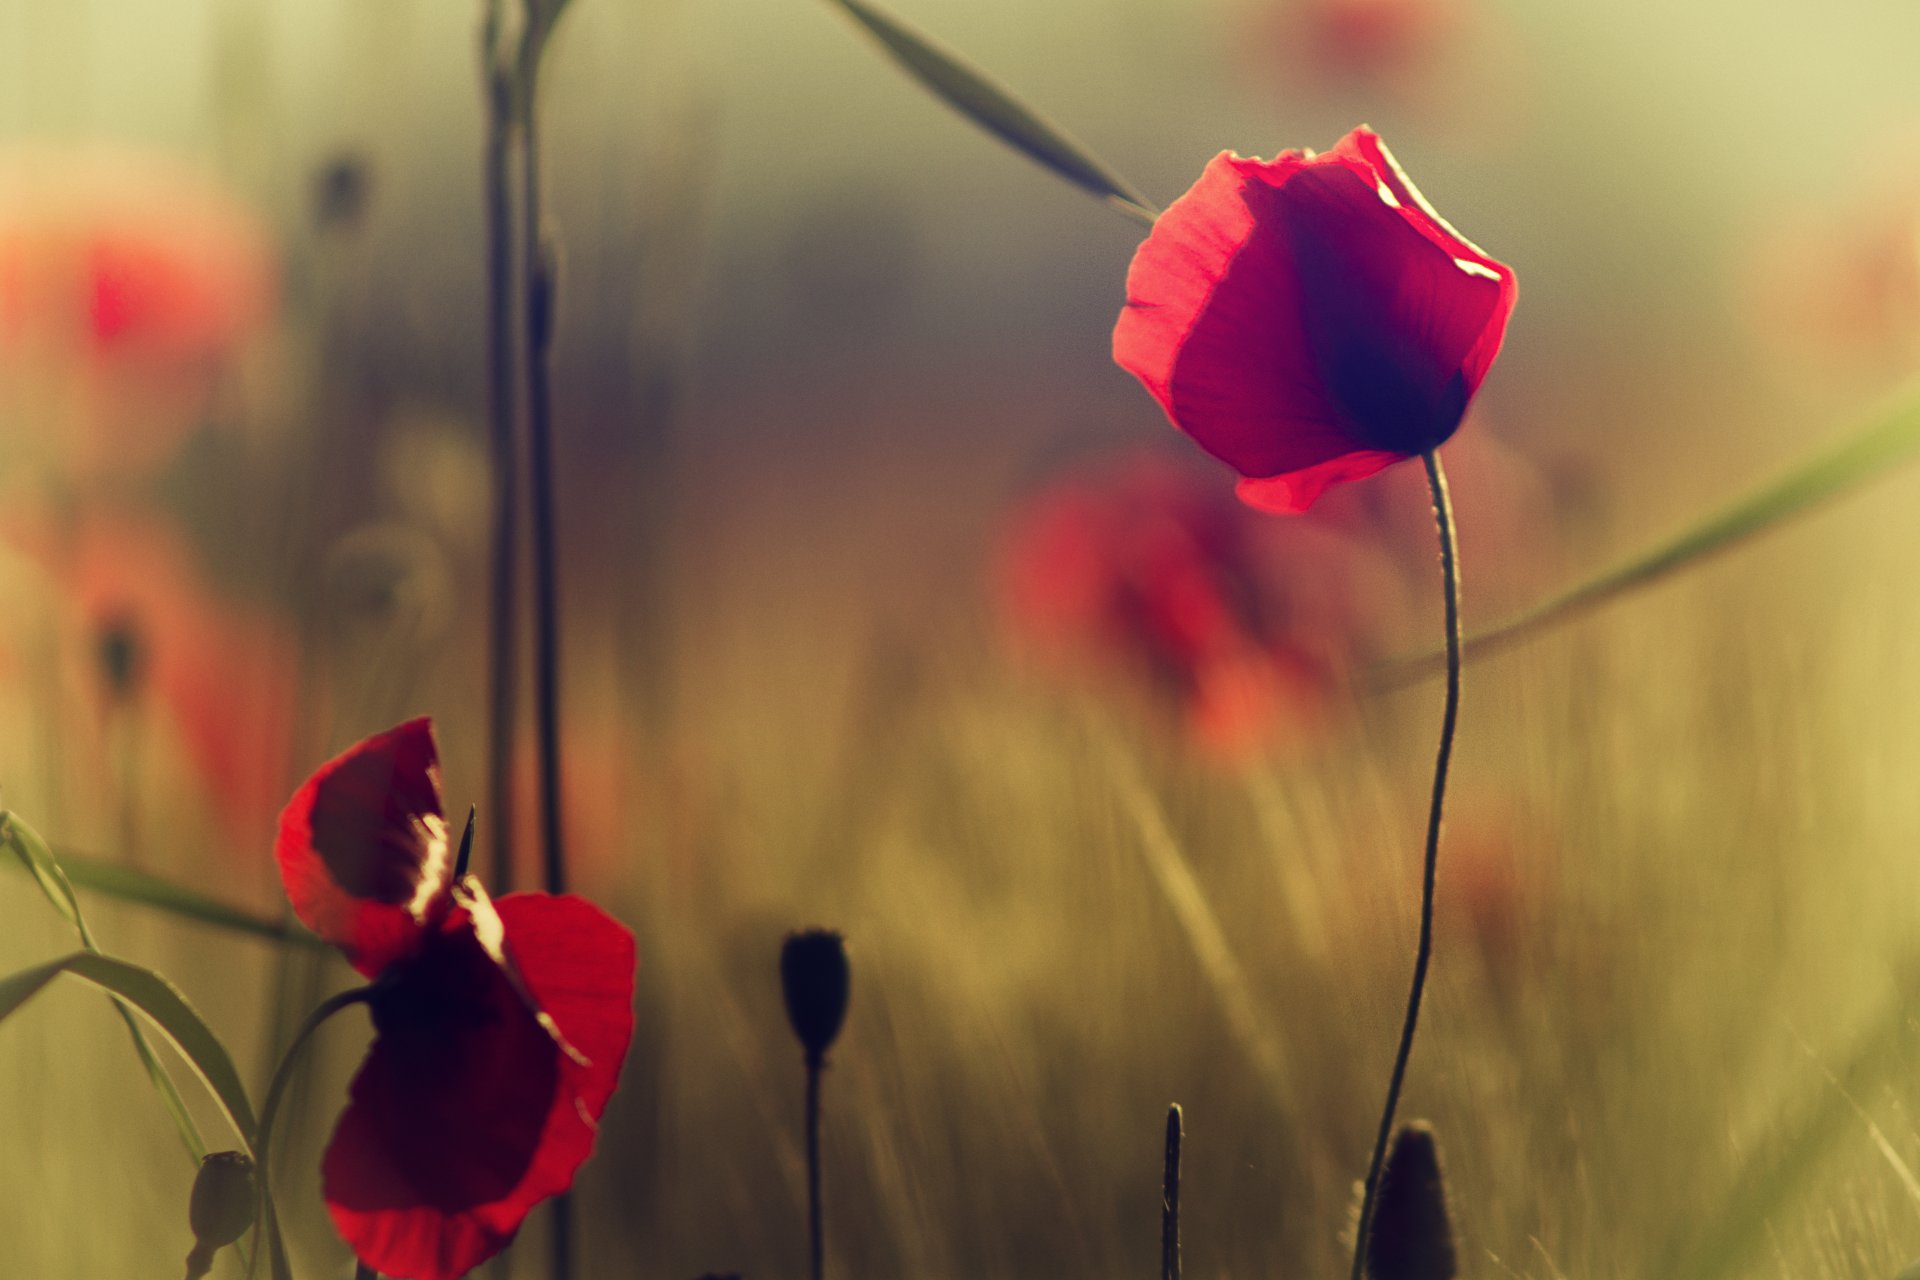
x=815, y=980
x=1412, y=1232
x=221, y=1208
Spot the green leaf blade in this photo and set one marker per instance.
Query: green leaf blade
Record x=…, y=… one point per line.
x=161, y=1002
x=995, y=108
x=1889, y=439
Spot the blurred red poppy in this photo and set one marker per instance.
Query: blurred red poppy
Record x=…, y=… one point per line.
x=126, y=282
x=1312, y=319
x=224, y=675
x=1143, y=566
x=501, y=1027
x=1835, y=288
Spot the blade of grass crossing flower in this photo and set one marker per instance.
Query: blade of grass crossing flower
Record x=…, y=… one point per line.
x=1889, y=439
x=59, y=875
x=995, y=108
x=161, y=1002
x=128, y=885
x=34, y=853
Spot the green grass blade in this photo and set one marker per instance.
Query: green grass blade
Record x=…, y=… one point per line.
x=162, y=1003
x=1889, y=439
x=38, y=861
x=57, y=877
x=38, y=858
x=1726, y=1243
x=128, y=885
x=995, y=108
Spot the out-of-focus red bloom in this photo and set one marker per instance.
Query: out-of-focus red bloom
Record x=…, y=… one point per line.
x=1312, y=319
x=1143, y=566
x=1363, y=38
x=1842, y=284
x=501, y=1027
x=126, y=281
x=223, y=674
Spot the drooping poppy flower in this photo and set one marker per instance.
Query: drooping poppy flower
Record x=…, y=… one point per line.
x=501, y=1027
x=1141, y=567
x=1312, y=319
x=127, y=282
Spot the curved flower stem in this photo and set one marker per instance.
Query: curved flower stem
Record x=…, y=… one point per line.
x=282, y=1074
x=1450, y=573
x=361, y=1271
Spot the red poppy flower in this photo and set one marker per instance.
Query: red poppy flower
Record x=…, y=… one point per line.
x=1312, y=319
x=1140, y=566
x=501, y=1027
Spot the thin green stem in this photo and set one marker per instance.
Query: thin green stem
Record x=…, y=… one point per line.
x=276, y=1090
x=1450, y=574
x=816, y=1229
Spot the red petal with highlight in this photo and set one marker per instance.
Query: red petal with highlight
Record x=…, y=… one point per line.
x=363, y=847
x=1311, y=320
x=468, y=1112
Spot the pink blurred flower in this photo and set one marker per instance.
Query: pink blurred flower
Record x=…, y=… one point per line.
x=1245, y=627
x=127, y=282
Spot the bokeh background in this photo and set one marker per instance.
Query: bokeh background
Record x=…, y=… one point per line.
x=820, y=345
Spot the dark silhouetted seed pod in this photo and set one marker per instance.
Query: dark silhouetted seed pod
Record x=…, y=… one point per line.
x=222, y=1206
x=815, y=979
x=1411, y=1237
x=123, y=658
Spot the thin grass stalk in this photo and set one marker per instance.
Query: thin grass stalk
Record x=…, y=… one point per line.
x=1170, y=1199
x=502, y=634
x=1450, y=575
x=1174, y=876
x=540, y=287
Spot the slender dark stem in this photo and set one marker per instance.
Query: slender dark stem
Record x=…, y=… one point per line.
x=816, y=1231
x=502, y=649
x=540, y=292
x=262, y=1136
x=361, y=1271
x=1170, y=1200
x=1450, y=574
x=540, y=288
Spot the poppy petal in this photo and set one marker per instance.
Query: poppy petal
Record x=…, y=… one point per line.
x=446, y=1114
x=363, y=847
x=1312, y=319
x=468, y=1112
